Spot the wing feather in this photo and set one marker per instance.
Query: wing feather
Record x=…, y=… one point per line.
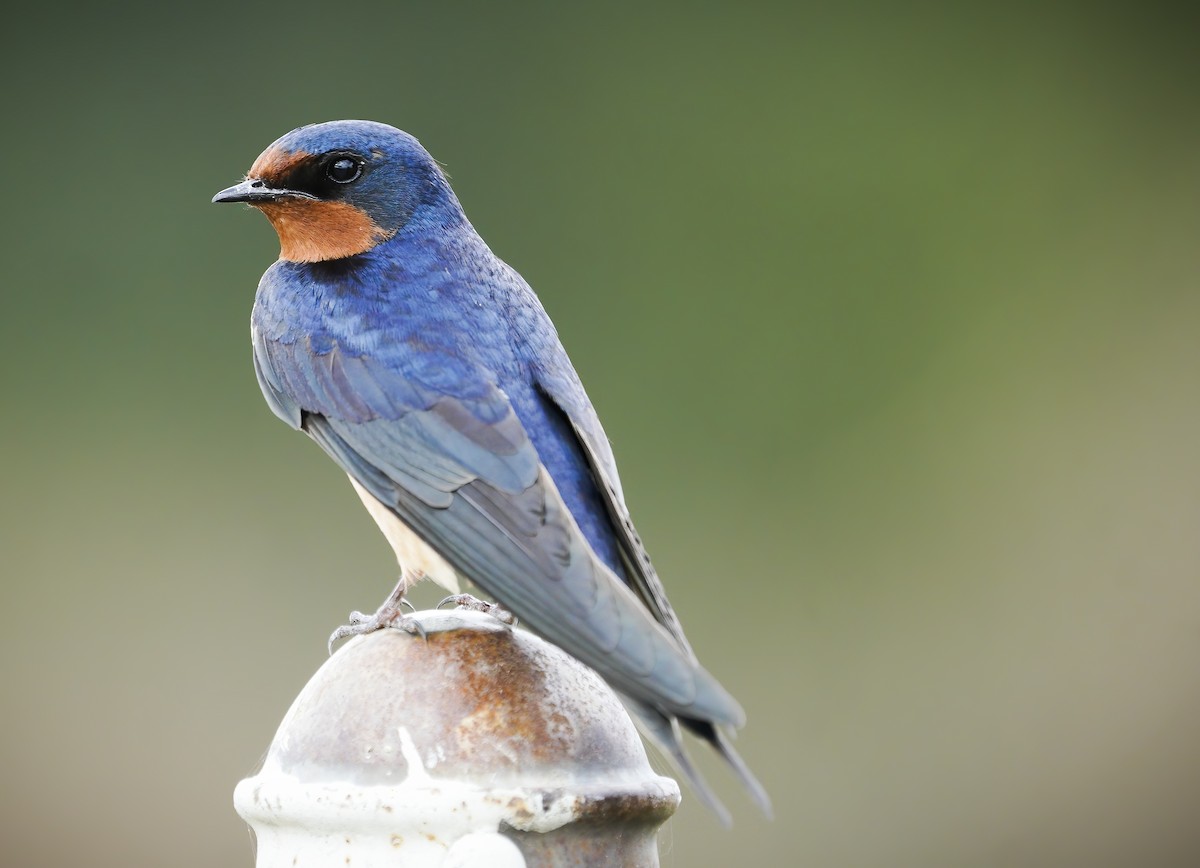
x=463, y=473
x=566, y=397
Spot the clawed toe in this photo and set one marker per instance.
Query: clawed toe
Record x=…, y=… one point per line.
x=412, y=626
x=391, y=614
x=341, y=633
x=388, y=616
x=466, y=601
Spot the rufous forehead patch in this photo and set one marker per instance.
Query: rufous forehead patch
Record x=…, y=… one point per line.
x=274, y=165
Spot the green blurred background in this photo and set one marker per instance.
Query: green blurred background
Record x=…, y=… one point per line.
x=891, y=313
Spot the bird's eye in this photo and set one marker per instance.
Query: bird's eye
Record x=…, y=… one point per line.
x=344, y=170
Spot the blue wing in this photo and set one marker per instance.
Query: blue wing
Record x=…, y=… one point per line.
x=566, y=394
x=461, y=470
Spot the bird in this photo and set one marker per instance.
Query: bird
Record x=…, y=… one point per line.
x=429, y=371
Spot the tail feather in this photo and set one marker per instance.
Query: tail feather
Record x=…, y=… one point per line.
x=664, y=732
x=756, y=790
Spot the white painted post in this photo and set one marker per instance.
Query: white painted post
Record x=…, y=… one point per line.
x=480, y=746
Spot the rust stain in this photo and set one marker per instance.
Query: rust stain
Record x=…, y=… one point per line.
x=519, y=809
x=477, y=702
x=627, y=809
x=507, y=696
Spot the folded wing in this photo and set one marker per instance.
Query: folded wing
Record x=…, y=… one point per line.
x=462, y=472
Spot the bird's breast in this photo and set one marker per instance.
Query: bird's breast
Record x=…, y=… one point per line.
x=417, y=560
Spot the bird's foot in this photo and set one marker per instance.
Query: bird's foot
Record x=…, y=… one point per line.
x=466, y=601
x=390, y=614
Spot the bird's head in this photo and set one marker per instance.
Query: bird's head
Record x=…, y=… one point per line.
x=338, y=189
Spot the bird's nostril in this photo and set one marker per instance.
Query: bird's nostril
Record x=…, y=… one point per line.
x=256, y=183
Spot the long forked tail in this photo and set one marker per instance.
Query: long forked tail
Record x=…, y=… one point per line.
x=664, y=732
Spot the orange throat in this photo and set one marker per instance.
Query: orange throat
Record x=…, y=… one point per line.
x=312, y=231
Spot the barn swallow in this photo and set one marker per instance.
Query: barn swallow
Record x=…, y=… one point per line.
x=426, y=367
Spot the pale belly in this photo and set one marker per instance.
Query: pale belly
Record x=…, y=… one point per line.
x=417, y=560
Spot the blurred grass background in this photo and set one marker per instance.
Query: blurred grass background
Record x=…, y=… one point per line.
x=891, y=313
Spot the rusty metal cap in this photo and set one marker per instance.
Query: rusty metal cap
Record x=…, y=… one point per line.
x=403, y=743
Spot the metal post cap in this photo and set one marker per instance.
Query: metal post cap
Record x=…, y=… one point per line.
x=478, y=745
